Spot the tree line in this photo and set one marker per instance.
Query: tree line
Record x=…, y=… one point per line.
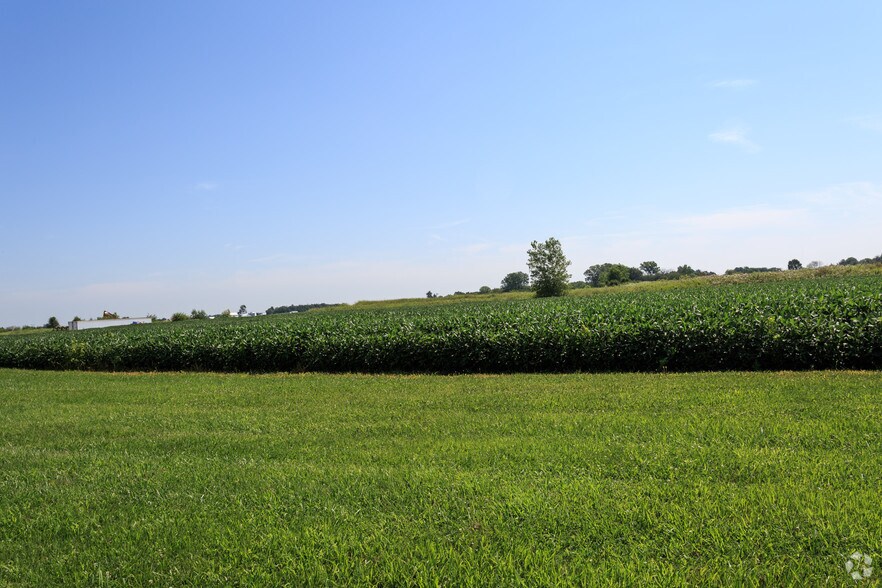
x=549, y=277
x=296, y=308
x=611, y=274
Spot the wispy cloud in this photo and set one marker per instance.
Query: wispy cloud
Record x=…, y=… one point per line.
x=474, y=248
x=282, y=259
x=860, y=196
x=206, y=186
x=738, y=219
x=514, y=248
x=735, y=136
x=868, y=123
x=735, y=84
x=451, y=224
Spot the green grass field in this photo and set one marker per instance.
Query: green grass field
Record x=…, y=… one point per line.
x=620, y=479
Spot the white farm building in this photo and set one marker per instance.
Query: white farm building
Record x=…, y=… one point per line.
x=102, y=323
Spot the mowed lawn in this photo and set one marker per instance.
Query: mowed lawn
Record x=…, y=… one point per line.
x=206, y=479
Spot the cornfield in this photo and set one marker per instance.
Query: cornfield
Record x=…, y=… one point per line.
x=793, y=325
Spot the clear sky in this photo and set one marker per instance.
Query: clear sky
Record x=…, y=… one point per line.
x=164, y=156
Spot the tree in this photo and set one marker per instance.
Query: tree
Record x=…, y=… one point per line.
x=243, y=310
x=484, y=290
x=650, y=268
x=198, y=314
x=611, y=274
x=751, y=270
x=615, y=274
x=515, y=281
x=849, y=261
x=593, y=273
x=548, y=268
x=431, y=294
x=295, y=308
x=52, y=323
x=794, y=264
x=179, y=316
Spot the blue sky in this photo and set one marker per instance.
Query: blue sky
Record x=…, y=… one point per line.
x=163, y=156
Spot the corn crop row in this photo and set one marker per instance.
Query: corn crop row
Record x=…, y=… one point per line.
x=811, y=324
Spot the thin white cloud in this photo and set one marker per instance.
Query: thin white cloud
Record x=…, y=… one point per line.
x=275, y=258
x=514, y=248
x=850, y=196
x=281, y=259
x=451, y=224
x=868, y=123
x=735, y=136
x=437, y=232
x=474, y=248
x=739, y=219
x=206, y=186
x=735, y=84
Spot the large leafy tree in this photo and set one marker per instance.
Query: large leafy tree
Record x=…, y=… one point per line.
x=515, y=281
x=548, y=268
x=650, y=268
x=616, y=274
x=611, y=274
x=594, y=273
